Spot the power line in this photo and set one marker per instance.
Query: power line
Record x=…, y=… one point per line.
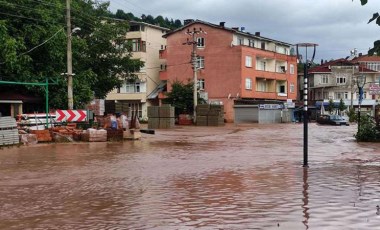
x=18, y=16
x=37, y=45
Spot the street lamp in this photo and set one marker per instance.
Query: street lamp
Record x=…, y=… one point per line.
x=306, y=64
x=360, y=83
x=70, y=74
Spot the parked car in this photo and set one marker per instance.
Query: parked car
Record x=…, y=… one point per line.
x=327, y=119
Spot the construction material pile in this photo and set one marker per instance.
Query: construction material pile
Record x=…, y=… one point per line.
x=210, y=115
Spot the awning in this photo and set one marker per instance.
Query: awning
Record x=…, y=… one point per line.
x=10, y=102
x=157, y=90
x=325, y=104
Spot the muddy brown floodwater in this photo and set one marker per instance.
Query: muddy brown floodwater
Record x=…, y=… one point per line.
x=232, y=177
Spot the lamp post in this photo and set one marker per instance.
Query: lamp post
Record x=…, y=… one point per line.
x=306, y=64
x=360, y=83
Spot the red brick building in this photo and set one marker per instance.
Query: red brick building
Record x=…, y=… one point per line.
x=233, y=65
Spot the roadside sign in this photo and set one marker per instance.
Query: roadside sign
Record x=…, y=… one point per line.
x=71, y=115
x=374, y=89
x=270, y=106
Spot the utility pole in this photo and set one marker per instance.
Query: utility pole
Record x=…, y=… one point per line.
x=194, y=43
x=69, y=58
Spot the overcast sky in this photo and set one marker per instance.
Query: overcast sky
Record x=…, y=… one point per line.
x=337, y=26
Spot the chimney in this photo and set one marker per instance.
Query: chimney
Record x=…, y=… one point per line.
x=360, y=54
x=321, y=61
x=257, y=34
x=242, y=29
x=222, y=24
x=187, y=21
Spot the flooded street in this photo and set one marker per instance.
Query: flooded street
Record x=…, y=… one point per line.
x=232, y=177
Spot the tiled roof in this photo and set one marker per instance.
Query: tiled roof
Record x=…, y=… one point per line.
x=222, y=27
x=326, y=67
x=366, y=58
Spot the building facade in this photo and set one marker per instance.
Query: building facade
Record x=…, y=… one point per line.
x=336, y=80
x=233, y=66
x=147, y=41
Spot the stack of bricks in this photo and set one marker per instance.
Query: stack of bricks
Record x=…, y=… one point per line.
x=210, y=115
x=161, y=117
x=66, y=132
x=114, y=134
x=93, y=135
x=42, y=135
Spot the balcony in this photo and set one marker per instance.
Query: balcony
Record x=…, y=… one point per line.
x=127, y=96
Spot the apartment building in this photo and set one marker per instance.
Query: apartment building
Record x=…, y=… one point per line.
x=336, y=80
x=147, y=40
x=233, y=66
x=370, y=62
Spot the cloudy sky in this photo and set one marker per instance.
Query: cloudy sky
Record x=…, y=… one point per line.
x=337, y=26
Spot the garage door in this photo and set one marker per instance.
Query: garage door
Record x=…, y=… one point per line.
x=246, y=113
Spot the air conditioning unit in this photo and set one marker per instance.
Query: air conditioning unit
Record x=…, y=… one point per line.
x=203, y=95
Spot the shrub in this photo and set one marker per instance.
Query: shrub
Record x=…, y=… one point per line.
x=368, y=131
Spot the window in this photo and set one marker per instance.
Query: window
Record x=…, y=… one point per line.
x=341, y=95
x=240, y=41
x=281, y=49
x=200, y=62
x=201, y=84
x=319, y=96
x=282, y=89
x=248, y=83
x=291, y=88
x=248, y=61
x=251, y=43
x=291, y=69
x=326, y=95
x=134, y=28
x=261, y=65
x=325, y=79
x=261, y=86
x=136, y=107
x=341, y=80
x=200, y=42
x=133, y=87
x=263, y=45
x=364, y=95
x=138, y=45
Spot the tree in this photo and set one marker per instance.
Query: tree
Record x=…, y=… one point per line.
x=342, y=106
x=368, y=131
x=177, y=23
x=375, y=51
x=331, y=106
x=375, y=16
x=33, y=47
x=182, y=98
